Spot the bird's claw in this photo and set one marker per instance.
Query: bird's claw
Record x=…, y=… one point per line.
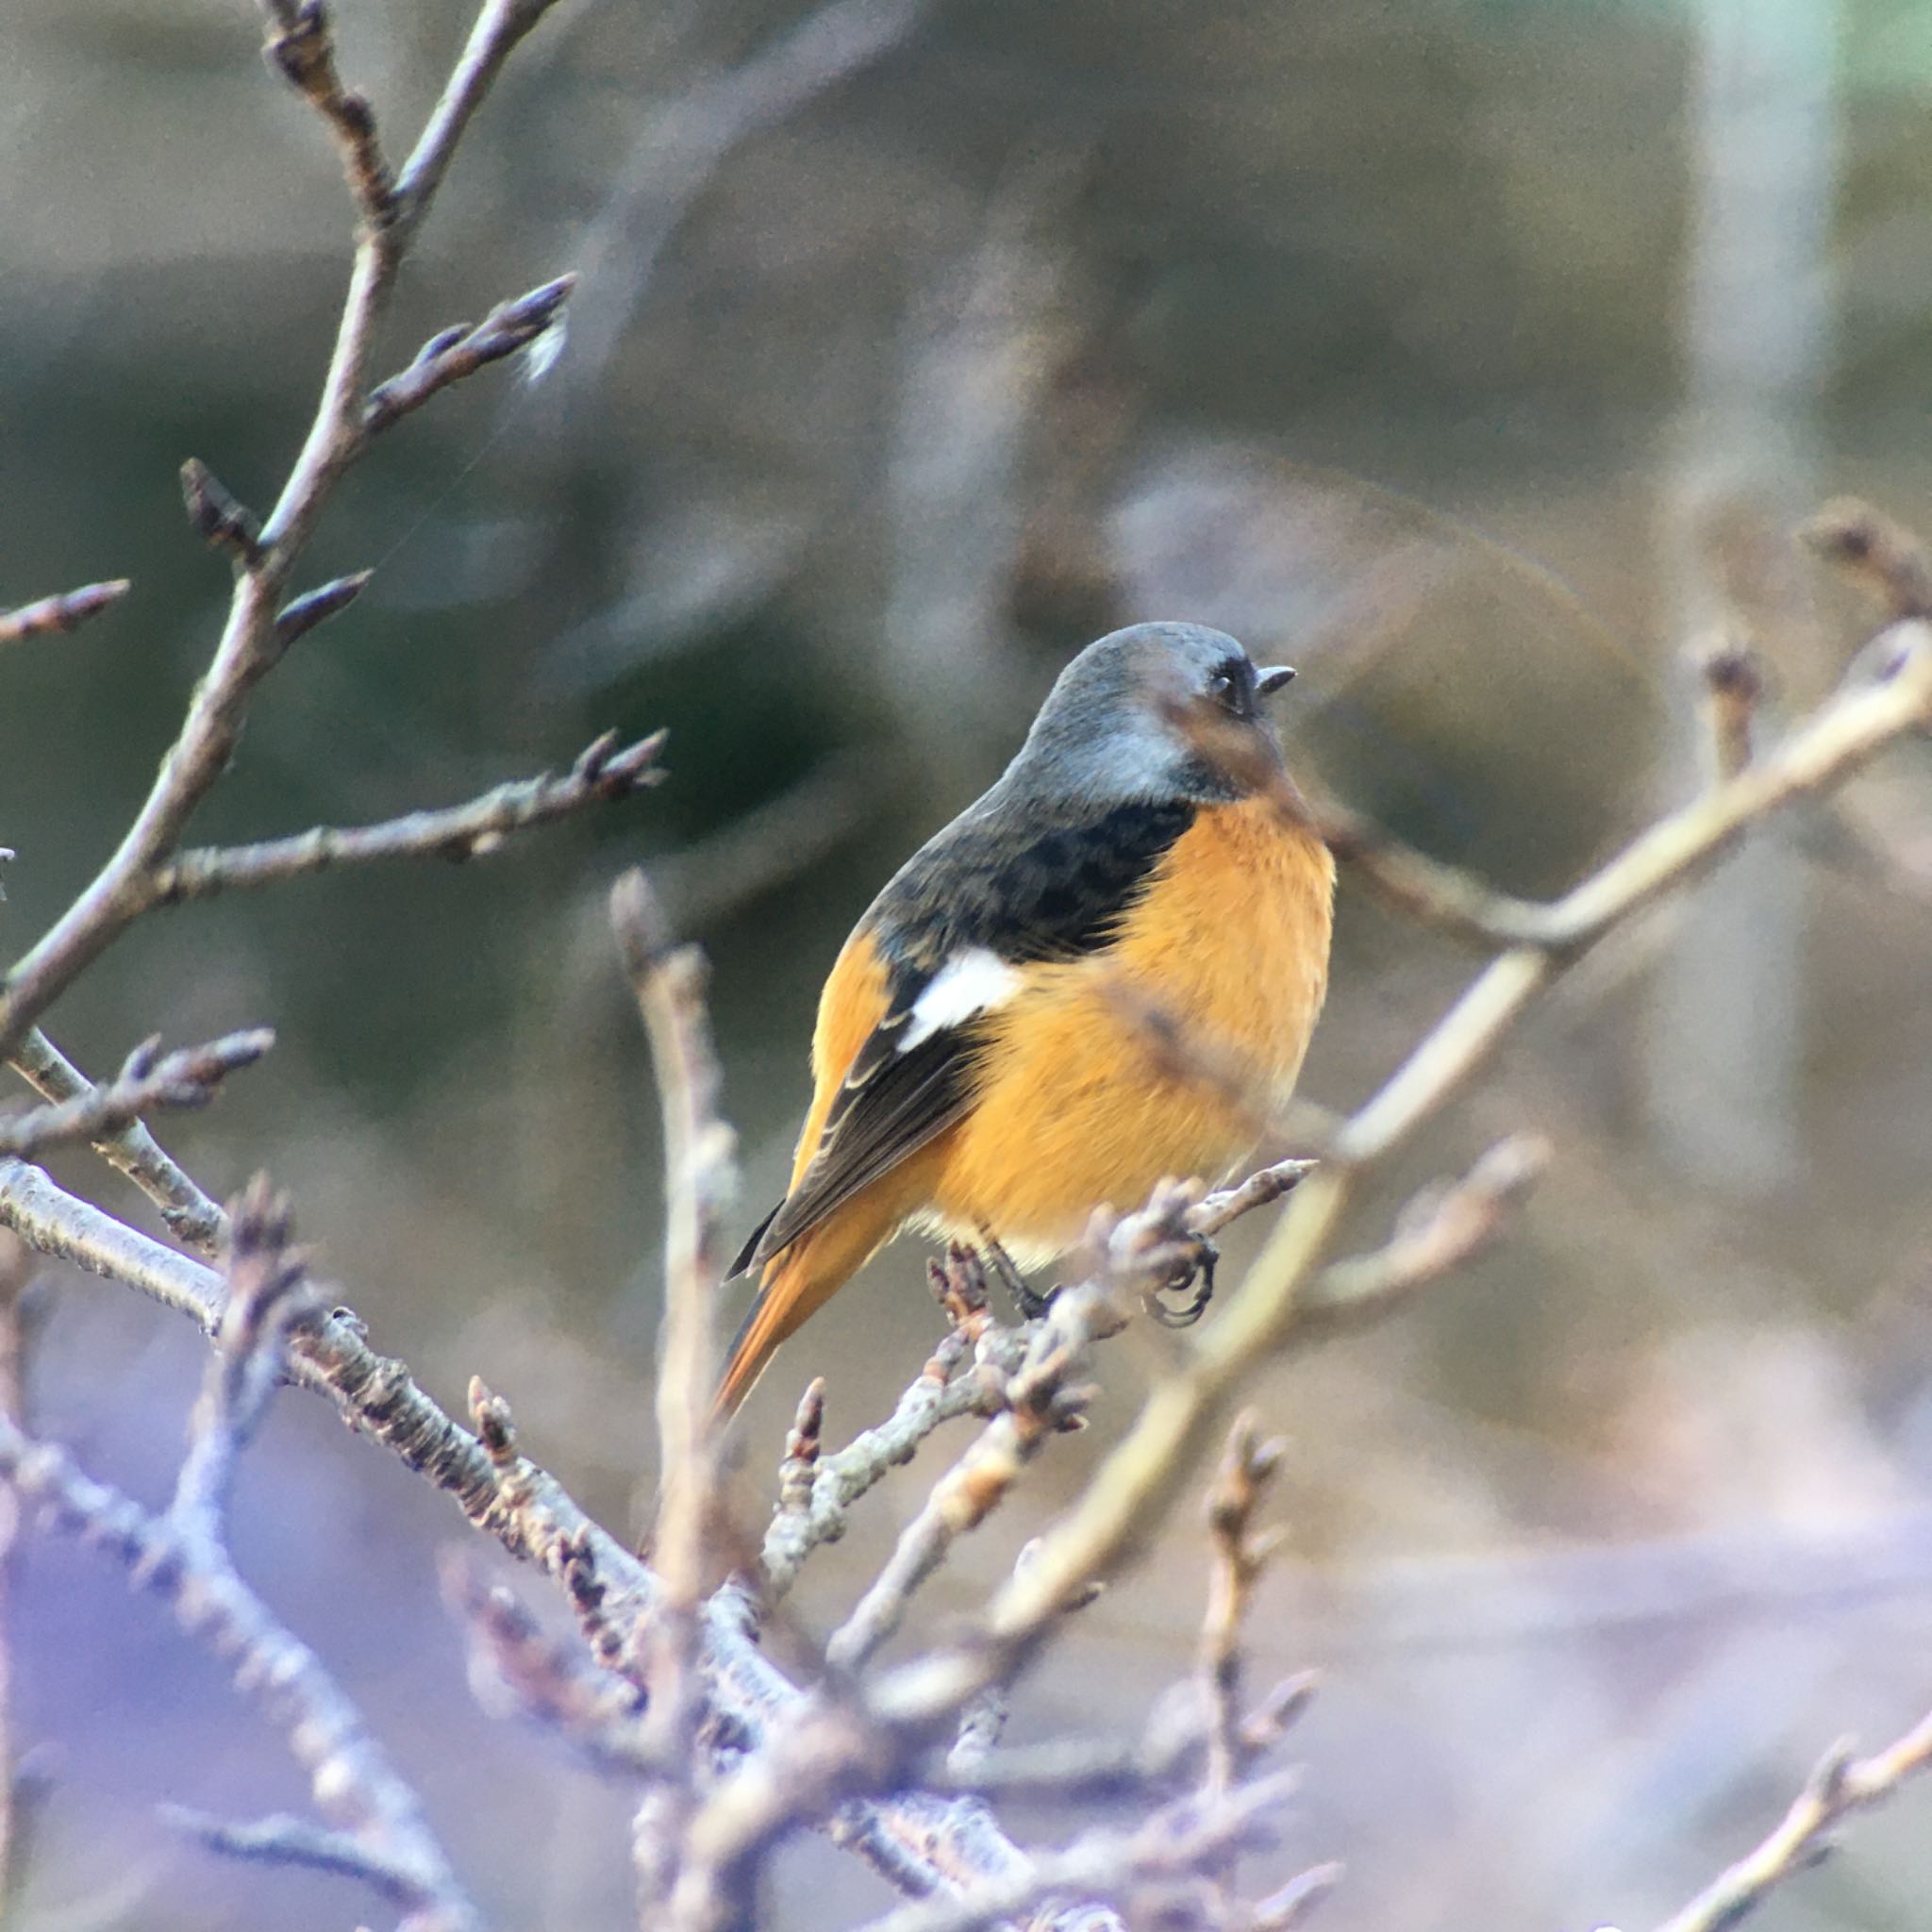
x=1197, y=1284
x=1029, y=1302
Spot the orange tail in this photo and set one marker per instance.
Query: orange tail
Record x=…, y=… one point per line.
x=796, y=1285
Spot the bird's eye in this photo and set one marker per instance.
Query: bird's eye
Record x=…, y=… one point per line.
x=1231, y=689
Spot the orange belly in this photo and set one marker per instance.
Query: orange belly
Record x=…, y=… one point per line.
x=1078, y=1108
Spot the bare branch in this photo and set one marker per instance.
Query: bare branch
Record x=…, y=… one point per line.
x=193, y=1217
x=1245, y=1467
x=499, y=25
x=1442, y=895
x=604, y=772
x=1039, y=1401
x=183, y=1558
x=67, y=1229
x=804, y=1518
x=148, y=1079
x=1112, y=1770
x=461, y=351
x=1261, y=1189
x=350, y=1777
x=66, y=613
x=700, y=1179
x=1438, y=1230
x=283, y=1838
x=1841, y=1785
x=301, y=48
x=1179, y=1842
x=1289, y=1906
x=268, y=1294
x=553, y=1684
x=19, y=1308
x=1885, y=560
x=802, y=1523
x=257, y=630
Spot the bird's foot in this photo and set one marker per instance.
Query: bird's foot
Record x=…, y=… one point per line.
x=1029, y=1302
x=1196, y=1284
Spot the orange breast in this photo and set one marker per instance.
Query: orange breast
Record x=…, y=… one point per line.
x=1077, y=1107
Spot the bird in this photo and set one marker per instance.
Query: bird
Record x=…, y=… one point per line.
x=983, y=1064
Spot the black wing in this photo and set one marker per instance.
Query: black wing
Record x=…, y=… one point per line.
x=1057, y=896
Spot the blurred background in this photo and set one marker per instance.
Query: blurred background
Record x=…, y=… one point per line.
x=1478, y=355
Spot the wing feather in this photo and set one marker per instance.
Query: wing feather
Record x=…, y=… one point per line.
x=971, y=891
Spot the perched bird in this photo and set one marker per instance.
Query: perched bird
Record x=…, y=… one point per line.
x=978, y=1066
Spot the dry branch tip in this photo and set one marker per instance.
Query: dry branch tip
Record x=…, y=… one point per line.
x=65, y=612
x=1885, y=560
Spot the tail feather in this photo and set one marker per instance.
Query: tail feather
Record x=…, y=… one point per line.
x=752, y=1347
x=796, y=1285
x=803, y=1276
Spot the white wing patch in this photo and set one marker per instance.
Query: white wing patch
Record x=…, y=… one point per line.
x=970, y=982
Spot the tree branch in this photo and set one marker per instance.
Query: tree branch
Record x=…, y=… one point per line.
x=255, y=635
x=66, y=613
x=301, y=48
x=604, y=772
x=148, y=1079
x=1841, y=1785
x=195, y=1218
x=183, y=1558
x=700, y=1181
x=1179, y=1842
x=461, y=351
x=817, y=1494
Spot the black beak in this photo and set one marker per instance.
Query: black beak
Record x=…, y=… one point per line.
x=1269, y=681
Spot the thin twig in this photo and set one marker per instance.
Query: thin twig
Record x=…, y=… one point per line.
x=148, y=1079
x=268, y=1296
x=1239, y=1555
x=1884, y=558
x=350, y=1777
x=1733, y=687
x=183, y=1558
x=804, y=1518
x=66, y=613
x=553, y=1684
x=282, y=1838
x=461, y=351
x=301, y=48
x=18, y=1265
x=1841, y=1785
x=604, y=771
x=1440, y=1229
x=254, y=637
x=939, y=1395
x=1179, y=1841
x=193, y=1217
x=1039, y=1401
x=1168, y=1754
x=700, y=1181
x=499, y=25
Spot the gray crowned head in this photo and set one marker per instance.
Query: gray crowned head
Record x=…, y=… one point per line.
x=1155, y=711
